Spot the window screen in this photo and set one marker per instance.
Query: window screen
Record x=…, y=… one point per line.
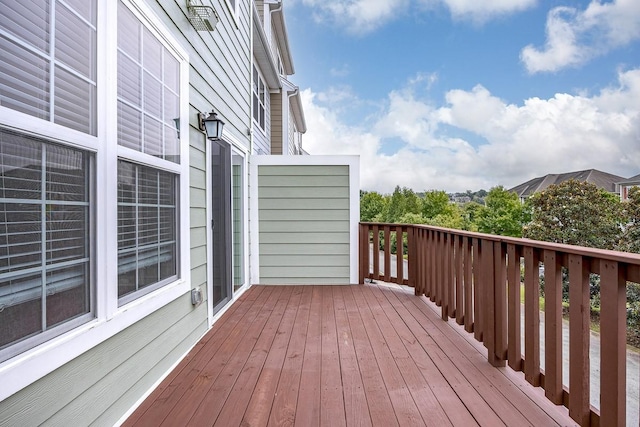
x=47, y=73
x=44, y=236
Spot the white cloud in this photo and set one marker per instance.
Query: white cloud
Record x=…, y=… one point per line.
x=561, y=134
x=364, y=16
x=574, y=37
x=481, y=11
x=357, y=16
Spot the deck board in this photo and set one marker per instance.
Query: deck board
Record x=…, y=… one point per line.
x=372, y=355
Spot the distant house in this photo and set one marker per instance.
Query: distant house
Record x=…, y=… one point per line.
x=603, y=180
x=623, y=187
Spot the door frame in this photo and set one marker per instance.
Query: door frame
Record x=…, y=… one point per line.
x=213, y=310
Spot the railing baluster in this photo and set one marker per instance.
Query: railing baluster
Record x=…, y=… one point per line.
x=500, y=303
x=446, y=279
x=488, y=298
x=363, y=270
x=531, y=316
x=579, y=333
x=477, y=290
x=459, y=277
x=387, y=254
x=468, y=286
x=399, y=255
x=612, y=344
x=515, y=334
x=552, y=327
x=376, y=252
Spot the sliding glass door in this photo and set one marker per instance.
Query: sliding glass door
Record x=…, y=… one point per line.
x=221, y=224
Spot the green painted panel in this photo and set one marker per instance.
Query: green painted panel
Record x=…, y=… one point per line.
x=303, y=215
x=304, y=249
x=199, y=275
x=304, y=226
x=198, y=236
x=197, y=178
x=302, y=170
x=310, y=272
x=315, y=260
x=112, y=387
x=305, y=192
x=198, y=256
x=307, y=238
x=304, y=203
x=197, y=158
x=197, y=198
x=122, y=405
x=197, y=217
x=304, y=181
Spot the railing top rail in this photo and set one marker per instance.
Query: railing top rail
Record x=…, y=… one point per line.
x=622, y=257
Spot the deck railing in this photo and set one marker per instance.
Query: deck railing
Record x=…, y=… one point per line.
x=478, y=279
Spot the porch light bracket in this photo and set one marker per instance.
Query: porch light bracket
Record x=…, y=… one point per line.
x=211, y=125
x=201, y=17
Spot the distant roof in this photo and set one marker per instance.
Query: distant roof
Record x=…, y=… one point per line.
x=632, y=180
x=601, y=179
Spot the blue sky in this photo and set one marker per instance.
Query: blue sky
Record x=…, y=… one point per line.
x=469, y=94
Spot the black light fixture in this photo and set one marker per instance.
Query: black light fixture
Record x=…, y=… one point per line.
x=211, y=125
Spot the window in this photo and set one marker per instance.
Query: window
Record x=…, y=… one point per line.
x=44, y=239
x=146, y=227
x=50, y=74
x=258, y=99
x=148, y=111
x=89, y=203
x=148, y=86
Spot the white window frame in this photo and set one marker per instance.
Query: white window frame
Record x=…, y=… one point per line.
x=260, y=104
x=243, y=154
x=31, y=365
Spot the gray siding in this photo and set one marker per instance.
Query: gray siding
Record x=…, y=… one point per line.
x=303, y=224
x=276, y=123
x=103, y=383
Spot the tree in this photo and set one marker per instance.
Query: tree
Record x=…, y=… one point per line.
x=575, y=213
x=503, y=214
x=630, y=241
x=435, y=202
x=470, y=212
x=372, y=205
x=402, y=201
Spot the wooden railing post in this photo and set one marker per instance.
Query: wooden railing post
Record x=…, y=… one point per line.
x=612, y=344
x=364, y=253
x=532, y=316
x=399, y=255
x=579, y=333
x=515, y=334
x=552, y=327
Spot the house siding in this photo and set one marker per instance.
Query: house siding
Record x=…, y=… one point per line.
x=276, y=123
x=304, y=224
x=103, y=383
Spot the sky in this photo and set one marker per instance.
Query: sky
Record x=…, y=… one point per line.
x=460, y=95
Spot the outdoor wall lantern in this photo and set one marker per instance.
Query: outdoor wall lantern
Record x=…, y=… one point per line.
x=203, y=18
x=211, y=125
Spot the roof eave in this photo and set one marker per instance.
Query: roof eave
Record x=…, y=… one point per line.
x=263, y=55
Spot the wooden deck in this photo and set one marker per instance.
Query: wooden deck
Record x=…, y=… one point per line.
x=341, y=355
